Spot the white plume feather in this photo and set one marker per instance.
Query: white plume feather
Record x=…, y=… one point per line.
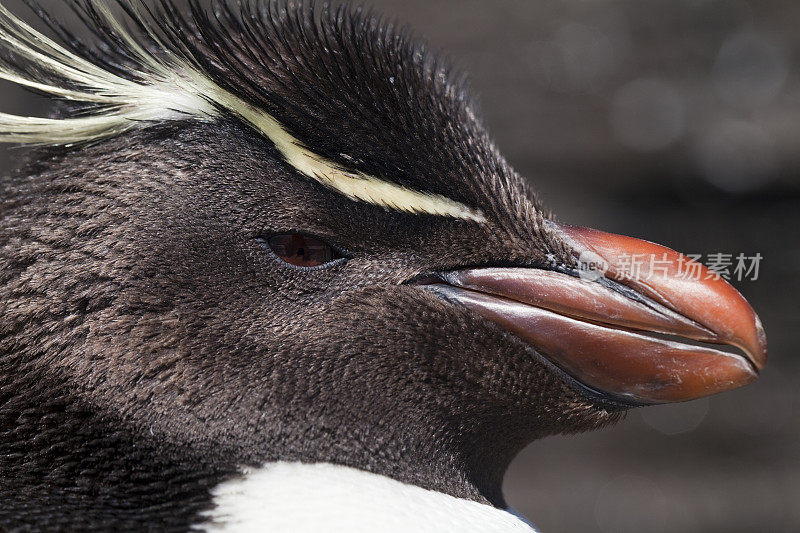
x=158, y=89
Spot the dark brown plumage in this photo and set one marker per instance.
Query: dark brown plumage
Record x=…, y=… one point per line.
x=150, y=345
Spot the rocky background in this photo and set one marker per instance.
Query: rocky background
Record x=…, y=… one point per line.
x=672, y=120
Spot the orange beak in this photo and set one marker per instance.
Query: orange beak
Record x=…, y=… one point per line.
x=636, y=327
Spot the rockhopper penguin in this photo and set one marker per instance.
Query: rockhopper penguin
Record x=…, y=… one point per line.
x=266, y=270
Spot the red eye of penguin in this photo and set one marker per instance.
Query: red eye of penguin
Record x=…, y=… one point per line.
x=302, y=250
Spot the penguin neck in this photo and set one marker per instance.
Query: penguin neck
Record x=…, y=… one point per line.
x=461, y=457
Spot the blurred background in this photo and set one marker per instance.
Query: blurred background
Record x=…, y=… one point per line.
x=677, y=121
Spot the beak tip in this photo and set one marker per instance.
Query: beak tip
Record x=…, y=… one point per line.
x=759, y=355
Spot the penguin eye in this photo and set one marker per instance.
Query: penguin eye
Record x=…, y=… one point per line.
x=302, y=250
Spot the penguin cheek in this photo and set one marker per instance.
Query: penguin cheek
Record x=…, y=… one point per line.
x=452, y=352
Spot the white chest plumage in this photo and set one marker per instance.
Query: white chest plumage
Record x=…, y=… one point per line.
x=303, y=498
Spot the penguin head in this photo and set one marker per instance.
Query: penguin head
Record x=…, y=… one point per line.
x=284, y=233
